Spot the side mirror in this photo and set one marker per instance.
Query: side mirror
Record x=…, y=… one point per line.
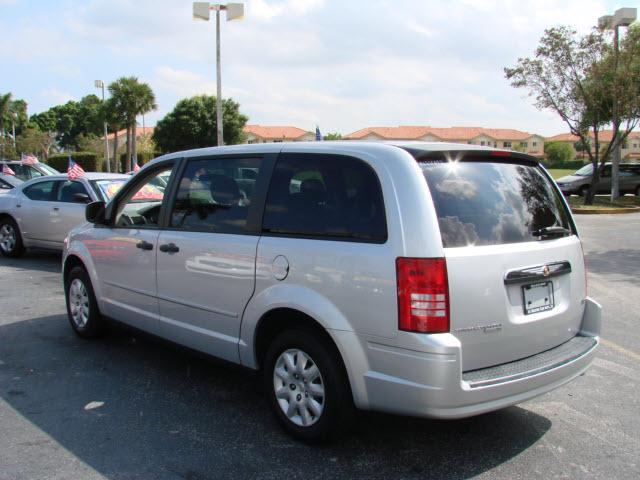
x=94, y=213
x=81, y=198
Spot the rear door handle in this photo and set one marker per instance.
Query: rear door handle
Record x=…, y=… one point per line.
x=144, y=245
x=169, y=248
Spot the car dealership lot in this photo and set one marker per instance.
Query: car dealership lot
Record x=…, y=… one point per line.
x=130, y=407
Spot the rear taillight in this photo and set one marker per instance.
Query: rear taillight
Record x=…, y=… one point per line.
x=423, y=295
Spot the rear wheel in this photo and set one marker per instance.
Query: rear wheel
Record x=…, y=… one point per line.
x=10, y=238
x=307, y=386
x=82, y=308
x=584, y=190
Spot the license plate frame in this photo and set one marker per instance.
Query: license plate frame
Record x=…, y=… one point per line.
x=538, y=297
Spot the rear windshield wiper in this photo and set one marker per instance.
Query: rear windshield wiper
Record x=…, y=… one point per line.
x=551, y=232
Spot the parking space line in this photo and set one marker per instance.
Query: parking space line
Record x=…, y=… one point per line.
x=622, y=350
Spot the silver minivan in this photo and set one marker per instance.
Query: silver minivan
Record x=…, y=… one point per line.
x=427, y=279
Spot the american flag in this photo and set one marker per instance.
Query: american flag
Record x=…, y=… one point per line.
x=74, y=170
x=28, y=159
x=7, y=171
x=136, y=167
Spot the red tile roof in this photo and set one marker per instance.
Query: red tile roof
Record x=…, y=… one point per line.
x=406, y=132
x=603, y=136
x=275, y=132
x=139, y=132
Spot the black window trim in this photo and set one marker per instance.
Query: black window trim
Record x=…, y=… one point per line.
x=256, y=209
x=112, y=206
x=54, y=191
x=333, y=238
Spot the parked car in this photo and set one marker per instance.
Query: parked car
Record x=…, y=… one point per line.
x=39, y=213
x=7, y=182
x=25, y=171
x=579, y=182
x=425, y=279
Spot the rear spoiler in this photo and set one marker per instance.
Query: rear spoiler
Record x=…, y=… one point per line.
x=497, y=156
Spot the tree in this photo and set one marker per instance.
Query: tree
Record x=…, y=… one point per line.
x=582, y=147
x=192, y=124
x=132, y=98
x=332, y=136
x=562, y=77
x=32, y=140
x=116, y=119
x=558, y=152
x=5, y=105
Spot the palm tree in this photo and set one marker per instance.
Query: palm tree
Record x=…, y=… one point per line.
x=132, y=98
x=115, y=120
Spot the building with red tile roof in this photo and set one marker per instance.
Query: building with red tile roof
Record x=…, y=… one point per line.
x=276, y=133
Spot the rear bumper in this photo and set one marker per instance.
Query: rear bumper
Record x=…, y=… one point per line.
x=432, y=384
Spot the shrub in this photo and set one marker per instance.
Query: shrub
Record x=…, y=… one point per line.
x=557, y=153
x=89, y=161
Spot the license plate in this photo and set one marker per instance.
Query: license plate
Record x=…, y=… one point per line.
x=537, y=297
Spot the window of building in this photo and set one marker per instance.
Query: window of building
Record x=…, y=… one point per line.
x=524, y=144
x=506, y=144
x=330, y=196
x=215, y=194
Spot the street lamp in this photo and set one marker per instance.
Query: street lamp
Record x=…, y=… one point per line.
x=201, y=11
x=623, y=17
x=100, y=84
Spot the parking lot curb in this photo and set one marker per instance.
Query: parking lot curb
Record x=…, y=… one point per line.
x=597, y=211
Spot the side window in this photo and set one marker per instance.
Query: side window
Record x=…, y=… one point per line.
x=325, y=196
x=141, y=205
x=32, y=172
x=23, y=172
x=214, y=195
x=72, y=192
x=42, y=191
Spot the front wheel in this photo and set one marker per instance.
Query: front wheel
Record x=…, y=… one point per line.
x=10, y=238
x=307, y=386
x=82, y=308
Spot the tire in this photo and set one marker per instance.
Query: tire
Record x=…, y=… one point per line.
x=82, y=308
x=10, y=238
x=584, y=190
x=311, y=407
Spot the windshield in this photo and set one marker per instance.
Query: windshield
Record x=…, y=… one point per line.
x=585, y=171
x=484, y=203
x=107, y=188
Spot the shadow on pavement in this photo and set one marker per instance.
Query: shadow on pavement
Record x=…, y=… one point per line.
x=622, y=263
x=170, y=414
x=39, y=260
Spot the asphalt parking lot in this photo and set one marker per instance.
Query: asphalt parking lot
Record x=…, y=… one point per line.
x=129, y=407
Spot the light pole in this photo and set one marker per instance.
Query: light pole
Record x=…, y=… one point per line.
x=14, y=115
x=201, y=11
x=100, y=84
x=623, y=17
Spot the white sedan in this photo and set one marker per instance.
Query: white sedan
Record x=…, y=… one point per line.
x=40, y=212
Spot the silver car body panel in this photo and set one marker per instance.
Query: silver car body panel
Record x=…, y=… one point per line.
x=212, y=295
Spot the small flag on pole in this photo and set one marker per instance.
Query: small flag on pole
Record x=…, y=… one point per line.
x=7, y=171
x=28, y=159
x=74, y=170
x=136, y=167
x=318, y=134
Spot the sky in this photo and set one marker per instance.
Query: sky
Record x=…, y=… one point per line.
x=339, y=64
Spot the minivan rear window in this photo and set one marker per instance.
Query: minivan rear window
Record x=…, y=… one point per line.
x=491, y=203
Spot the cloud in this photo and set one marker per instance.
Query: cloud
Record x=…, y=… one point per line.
x=56, y=97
